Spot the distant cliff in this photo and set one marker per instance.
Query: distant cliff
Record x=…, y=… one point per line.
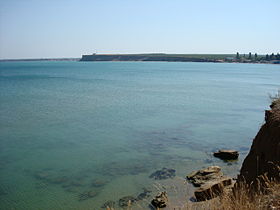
x=146, y=57
x=264, y=156
x=217, y=58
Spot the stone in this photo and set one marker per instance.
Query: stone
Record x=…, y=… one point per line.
x=127, y=201
x=200, y=177
x=108, y=204
x=227, y=154
x=212, y=189
x=164, y=173
x=160, y=200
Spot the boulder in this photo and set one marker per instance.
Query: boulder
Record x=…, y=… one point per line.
x=212, y=189
x=227, y=154
x=164, y=173
x=160, y=200
x=200, y=177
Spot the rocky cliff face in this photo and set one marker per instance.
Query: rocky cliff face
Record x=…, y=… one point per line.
x=264, y=156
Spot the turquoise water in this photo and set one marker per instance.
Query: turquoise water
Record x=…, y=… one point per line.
x=67, y=126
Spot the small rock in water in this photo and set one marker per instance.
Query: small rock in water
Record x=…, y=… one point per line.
x=126, y=201
x=164, y=173
x=108, y=204
x=227, y=154
x=160, y=200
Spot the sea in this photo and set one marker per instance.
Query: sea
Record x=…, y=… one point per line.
x=74, y=135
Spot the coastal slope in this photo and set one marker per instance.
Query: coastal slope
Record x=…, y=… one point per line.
x=264, y=155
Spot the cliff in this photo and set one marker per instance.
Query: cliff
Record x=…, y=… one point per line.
x=146, y=57
x=264, y=155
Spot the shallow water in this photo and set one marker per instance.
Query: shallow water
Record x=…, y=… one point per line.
x=69, y=128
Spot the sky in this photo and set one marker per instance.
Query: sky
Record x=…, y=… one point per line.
x=70, y=28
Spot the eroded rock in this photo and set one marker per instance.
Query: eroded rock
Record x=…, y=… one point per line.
x=160, y=200
x=200, y=177
x=212, y=189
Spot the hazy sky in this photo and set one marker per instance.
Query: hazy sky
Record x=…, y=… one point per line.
x=68, y=28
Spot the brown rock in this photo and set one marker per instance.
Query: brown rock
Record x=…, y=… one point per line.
x=200, y=177
x=160, y=200
x=212, y=189
x=227, y=154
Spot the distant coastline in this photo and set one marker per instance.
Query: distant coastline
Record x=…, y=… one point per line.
x=162, y=57
x=214, y=58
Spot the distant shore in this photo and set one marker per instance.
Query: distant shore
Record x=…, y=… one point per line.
x=214, y=58
x=160, y=57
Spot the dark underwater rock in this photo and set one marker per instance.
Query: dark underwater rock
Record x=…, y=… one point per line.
x=87, y=195
x=164, y=173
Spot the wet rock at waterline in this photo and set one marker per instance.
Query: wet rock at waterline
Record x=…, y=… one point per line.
x=160, y=200
x=212, y=189
x=127, y=201
x=227, y=154
x=200, y=177
x=164, y=173
x=210, y=181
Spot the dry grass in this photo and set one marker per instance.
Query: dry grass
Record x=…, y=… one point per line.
x=246, y=199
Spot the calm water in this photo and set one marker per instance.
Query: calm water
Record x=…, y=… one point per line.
x=68, y=128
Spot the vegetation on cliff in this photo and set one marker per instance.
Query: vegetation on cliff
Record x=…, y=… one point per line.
x=249, y=58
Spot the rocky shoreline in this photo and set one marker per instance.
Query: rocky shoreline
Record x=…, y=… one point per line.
x=208, y=183
x=263, y=160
